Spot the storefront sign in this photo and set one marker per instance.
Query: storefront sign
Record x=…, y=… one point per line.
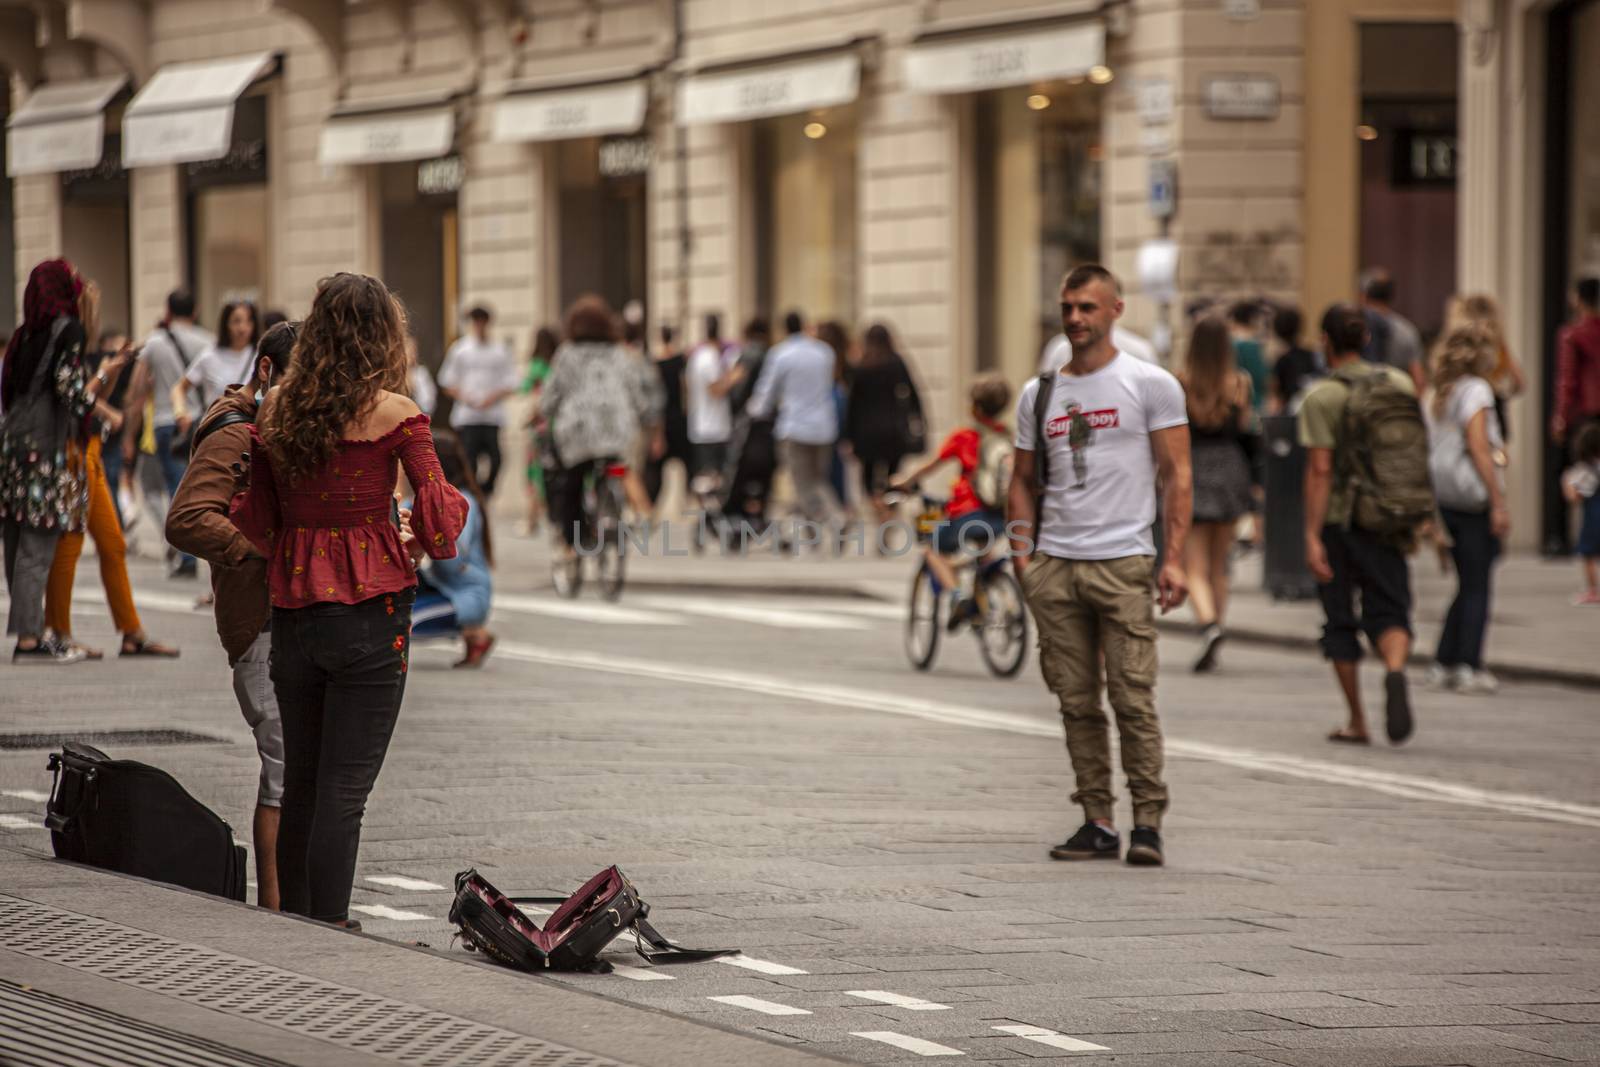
x=60, y=127
x=560, y=114
x=440, y=177
x=387, y=136
x=1242, y=10
x=1156, y=104
x=1242, y=96
x=969, y=63
x=184, y=114
x=1424, y=157
x=775, y=89
x=625, y=157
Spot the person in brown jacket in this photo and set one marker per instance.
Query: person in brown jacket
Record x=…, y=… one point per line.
x=198, y=524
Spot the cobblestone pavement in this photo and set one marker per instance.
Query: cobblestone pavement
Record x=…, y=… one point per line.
x=774, y=777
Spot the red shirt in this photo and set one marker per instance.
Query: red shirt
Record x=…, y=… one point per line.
x=331, y=537
x=962, y=446
x=1577, y=393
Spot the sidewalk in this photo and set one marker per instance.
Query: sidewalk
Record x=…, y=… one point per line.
x=95, y=961
x=1535, y=634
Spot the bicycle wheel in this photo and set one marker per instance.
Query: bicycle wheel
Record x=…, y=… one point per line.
x=922, y=620
x=608, y=519
x=1003, y=623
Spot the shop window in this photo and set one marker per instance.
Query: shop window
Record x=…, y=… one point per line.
x=229, y=231
x=421, y=250
x=94, y=229
x=602, y=225
x=805, y=181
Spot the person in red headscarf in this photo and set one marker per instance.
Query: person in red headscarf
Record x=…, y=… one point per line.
x=45, y=392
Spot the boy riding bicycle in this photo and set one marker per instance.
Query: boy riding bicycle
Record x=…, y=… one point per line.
x=975, y=513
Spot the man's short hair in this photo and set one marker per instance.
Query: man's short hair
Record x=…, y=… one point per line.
x=1244, y=312
x=480, y=314
x=1346, y=328
x=1378, y=286
x=990, y=394
x=180, y=304
x=757, y=329
x=1085, y=273
x=794, y=322
x=1287, y=322
x=668, y=332
x=713, y=324
x=1588, y=290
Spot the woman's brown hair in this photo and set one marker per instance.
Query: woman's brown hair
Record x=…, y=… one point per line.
x=350, y=348
x=590, y=318
x=1467, y=350
x=1210, y=376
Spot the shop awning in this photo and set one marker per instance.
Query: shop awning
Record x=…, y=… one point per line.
x=61, y=127
x=963, y=62
x=185, y=113
x=782, y=87
x=591, y=110
x=390, y=130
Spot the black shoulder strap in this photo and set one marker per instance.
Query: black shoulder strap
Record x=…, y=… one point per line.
x=211, y=426
x=1041, y=453
x=657, y=949
x=183, y=353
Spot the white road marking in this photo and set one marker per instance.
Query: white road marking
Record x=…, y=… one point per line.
x=383, y=911
x=154, y=601
x=750, y=963
x=25, y=794
x=1402, y=785
x=17, y=822
x=578, y=611
x=784, y=618
x=397, y=881
x=1050, y=1037
x=639, y=974
x=765, y=1007
x=898, y=1000
x=910, y=1044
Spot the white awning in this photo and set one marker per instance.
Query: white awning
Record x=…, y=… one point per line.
x=962, y=63
x=185, y=113
x=60, y=127
x=780, y=88
x=392, y=135
x=580, y=111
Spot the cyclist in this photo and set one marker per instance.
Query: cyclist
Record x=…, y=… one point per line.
x=975, y=512
x=597, y=400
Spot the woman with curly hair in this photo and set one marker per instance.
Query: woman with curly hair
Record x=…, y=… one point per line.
x=341, y=570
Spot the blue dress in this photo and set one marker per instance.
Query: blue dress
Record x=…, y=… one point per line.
x=461, y=586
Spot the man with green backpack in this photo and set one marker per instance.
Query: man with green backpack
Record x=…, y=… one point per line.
x=1367, y=491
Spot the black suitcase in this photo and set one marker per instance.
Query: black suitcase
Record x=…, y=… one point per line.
x=130, y=817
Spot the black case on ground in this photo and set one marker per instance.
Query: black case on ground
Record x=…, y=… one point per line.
x=130, y=817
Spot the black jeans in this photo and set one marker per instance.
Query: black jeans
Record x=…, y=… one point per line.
x=481, y=441
x=1474, y=552
x=1375, y=570
x=339, y=671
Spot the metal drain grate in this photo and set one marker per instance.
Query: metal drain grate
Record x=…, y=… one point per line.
x=42, y=1030
x=108, y=737
x=378, y=1026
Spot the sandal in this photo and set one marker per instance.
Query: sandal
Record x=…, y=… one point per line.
x=1340, y=737
x=88, y=653
x=143, y=646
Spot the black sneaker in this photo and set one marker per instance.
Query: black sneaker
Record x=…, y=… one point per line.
x=1144, y=847
x=1397, y=707
x=1211, y=639
x=47, y=651
x=1091, y=842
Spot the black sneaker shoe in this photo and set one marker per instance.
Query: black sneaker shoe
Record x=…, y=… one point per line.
x=1091, y=842
x=1211, y=639
x=1144, y=847
x=47, y=651
x=1397, y=708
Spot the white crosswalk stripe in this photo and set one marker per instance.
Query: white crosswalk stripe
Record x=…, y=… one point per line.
x=25, y=794
x=1042, y=1036
x=383, y=911
x=750, y=963
x=897, y=1000
x=18, y=822
x=397, y=881
x=911, y=1044
x=581, y=611
x=780, y=617
x=639, y=974
x=765, y=1007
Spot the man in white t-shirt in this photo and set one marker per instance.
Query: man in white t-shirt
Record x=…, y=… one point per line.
x=707, y=381
x=1058, y=350
x=478, y=375
x=1114, y=430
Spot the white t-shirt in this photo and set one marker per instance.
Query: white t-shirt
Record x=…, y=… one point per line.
x=710, y=417
x=1468, y=396
x=475, y=369
x=1058, y=350
x=217, y=368
x=423, y=390
x=1101, y=498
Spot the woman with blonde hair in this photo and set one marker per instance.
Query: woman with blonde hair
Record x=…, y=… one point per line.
x=341, y=570
x=1506, y=377
x=1466, y=454
x=1220, y=417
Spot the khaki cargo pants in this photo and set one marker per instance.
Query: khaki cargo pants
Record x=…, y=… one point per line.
x=1084, y=608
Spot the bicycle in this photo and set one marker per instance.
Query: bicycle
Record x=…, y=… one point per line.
x=1001, y=621
x=600, y=533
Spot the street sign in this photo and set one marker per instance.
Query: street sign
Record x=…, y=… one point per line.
x=1163, y=188
x=1155, y=101
x=1242, y=10
x=1242, y=96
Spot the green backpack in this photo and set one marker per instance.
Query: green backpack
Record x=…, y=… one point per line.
x=1383, y=456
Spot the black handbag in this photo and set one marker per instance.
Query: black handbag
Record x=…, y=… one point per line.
x=126, y=816
x=606, y=907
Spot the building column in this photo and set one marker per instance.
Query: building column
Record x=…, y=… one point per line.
x=36, y=201
x=1480, y=204
x=155, y=243
x=709, y=268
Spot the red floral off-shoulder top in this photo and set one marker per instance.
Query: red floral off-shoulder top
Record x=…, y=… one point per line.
x=331, y=536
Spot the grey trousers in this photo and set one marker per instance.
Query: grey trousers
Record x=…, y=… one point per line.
x=808, y=469
x=29, y=553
